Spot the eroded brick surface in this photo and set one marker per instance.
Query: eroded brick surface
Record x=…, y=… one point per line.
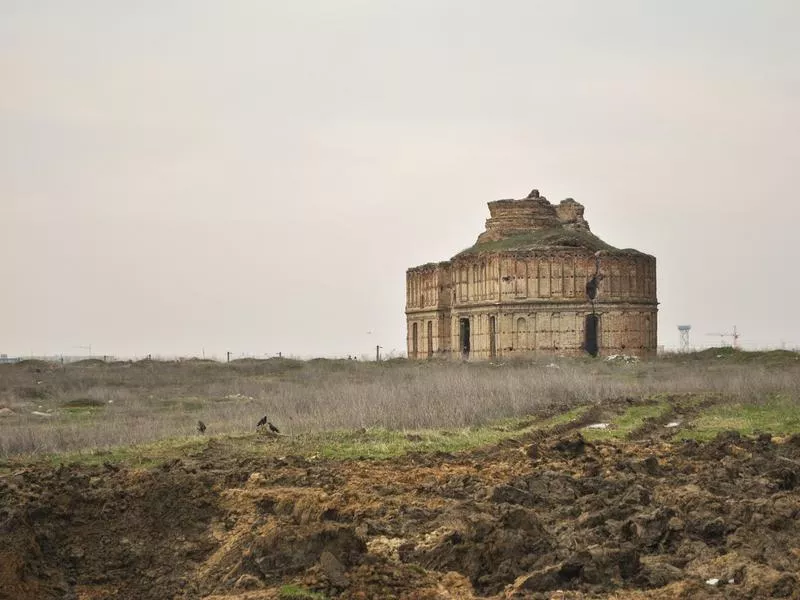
x=522, y=288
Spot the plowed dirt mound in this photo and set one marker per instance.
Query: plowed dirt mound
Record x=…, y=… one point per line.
x=546, y=517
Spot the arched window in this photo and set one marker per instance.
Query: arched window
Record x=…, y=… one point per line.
x=590, y=341
x=521, y=335
x=492, y=338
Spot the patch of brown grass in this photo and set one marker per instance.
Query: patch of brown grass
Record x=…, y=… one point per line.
x=95, y=406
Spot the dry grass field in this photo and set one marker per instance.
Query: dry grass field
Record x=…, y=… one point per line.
x=92, y=405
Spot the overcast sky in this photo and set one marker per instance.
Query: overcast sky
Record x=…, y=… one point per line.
x=254, y=176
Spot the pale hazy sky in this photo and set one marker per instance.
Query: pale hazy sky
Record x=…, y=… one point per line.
x=257, y=176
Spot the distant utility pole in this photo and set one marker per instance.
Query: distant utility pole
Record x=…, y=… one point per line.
x=377, y=354
x=229, y=356
x=684, y=329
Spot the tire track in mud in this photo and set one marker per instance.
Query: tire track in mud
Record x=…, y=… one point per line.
x=587, y=417
x=682, y=409
x=591, y=415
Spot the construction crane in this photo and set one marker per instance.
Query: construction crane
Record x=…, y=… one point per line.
x=734, y=335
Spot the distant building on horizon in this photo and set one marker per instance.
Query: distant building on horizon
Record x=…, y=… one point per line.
x=537, y=281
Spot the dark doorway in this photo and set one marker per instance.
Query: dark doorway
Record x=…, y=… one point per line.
x=414, y=340
x=464, y=337
x=430, y=339
x=492, y=338
x=590, y=336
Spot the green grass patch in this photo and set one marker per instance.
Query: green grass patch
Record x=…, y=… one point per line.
x=82, y=408
x=383, y=443
x=778, y=416
x=365, y=444
x=295, y=592
x=629, y=421
x=561, y=418
x=515, y=424
x=143, y=455
x=553, y=236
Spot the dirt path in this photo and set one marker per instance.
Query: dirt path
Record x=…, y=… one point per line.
x=545, y=516
x=681, y=410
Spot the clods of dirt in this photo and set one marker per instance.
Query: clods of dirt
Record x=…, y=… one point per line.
x=554, y=517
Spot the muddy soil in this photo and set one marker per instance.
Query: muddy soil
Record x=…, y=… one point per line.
x=547, y=516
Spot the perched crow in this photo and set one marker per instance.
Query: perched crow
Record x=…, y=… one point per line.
x=272, y=428
x=201, y=427
x=262, y=421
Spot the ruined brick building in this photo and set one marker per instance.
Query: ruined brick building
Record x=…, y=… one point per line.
x=536, y=281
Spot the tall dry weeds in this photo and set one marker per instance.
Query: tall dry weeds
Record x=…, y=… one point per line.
x=104, y=405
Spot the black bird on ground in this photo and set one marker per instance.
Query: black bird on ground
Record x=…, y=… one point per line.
x=272, y=428
x=201, y=427
x=261, y=421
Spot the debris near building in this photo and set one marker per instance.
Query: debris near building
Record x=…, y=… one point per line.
x=537, y=281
